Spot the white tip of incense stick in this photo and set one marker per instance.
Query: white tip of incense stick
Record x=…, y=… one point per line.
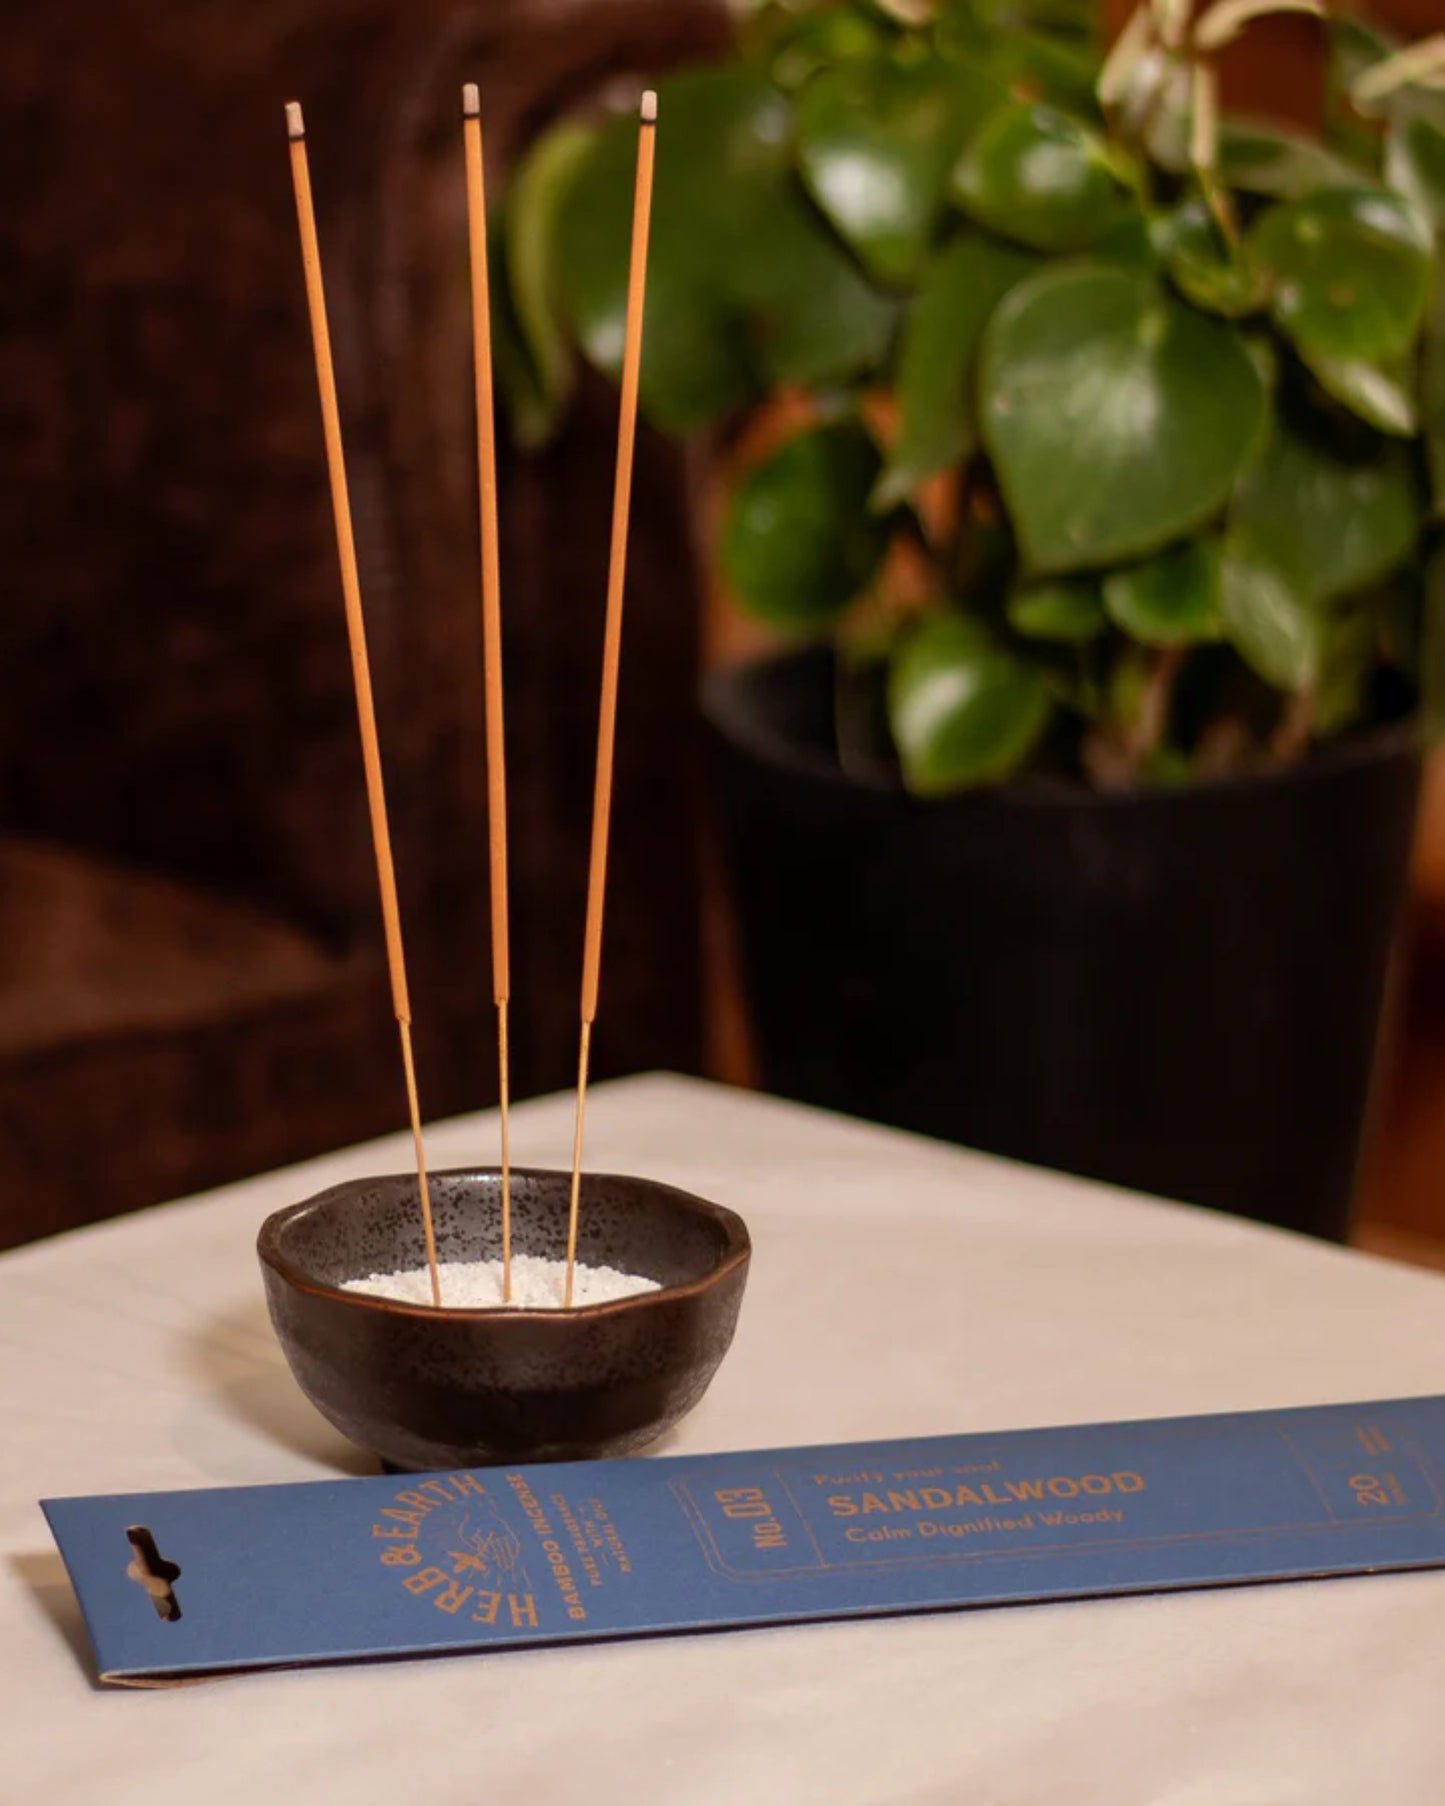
x=649, y=106
x=471, y=100
x=295, y=124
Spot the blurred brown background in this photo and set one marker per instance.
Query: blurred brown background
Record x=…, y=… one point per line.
x=191, y=983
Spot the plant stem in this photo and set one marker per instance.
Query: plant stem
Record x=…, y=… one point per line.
x=1204, y=150
x=1224, y=747
x=1292, y=737
x=909, y=523
x=1153, y=720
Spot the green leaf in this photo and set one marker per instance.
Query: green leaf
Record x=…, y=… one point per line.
x=1067, y=21
x=1164, y=105
x=1036, y=67
x=1415, y=166
x=1264, y=352
x=811, y=318
x=1168, y=767
x=530, y=413
x=1212, y=274
x=876, y=142
x=1031, y=55
x=963, y=708
x=1348, y=658
x=1351, y=269
x=1432, y=394
x=1264, y=159
x=960, y=31
x=1277, y=633
x=799, y=543
x=697, y=364
x=1380, y=396
x=1118, y=419
x=746, y=286
x=1432, y=649
x=1126, y=689
x=529, y=233
x=1331, y=523
x=1041, y=178
x=1171, y=600
x=1354, y=47
x=1133, y=243
x=1072, y=612
x=796, y=46
x=941, y=333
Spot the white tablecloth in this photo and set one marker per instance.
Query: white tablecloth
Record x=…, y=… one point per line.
x=898, y=1288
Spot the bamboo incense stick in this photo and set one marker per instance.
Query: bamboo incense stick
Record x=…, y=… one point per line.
x=491, y=633
x=612, y=647
x=360, y=664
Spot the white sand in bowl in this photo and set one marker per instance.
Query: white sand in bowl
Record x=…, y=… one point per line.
x=537, y=1284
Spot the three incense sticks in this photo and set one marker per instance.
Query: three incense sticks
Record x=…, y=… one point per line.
x=492, y=649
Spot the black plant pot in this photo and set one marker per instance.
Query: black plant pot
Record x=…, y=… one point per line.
x=1175, y=990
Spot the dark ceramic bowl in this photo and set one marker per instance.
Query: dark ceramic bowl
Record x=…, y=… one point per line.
x=428, y=1388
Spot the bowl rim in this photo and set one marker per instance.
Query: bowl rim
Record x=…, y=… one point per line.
x=738, y=1251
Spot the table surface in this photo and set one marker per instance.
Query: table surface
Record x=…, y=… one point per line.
x=899, y=1288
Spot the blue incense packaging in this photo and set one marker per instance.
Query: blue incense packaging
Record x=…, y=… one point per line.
x=176, y=1584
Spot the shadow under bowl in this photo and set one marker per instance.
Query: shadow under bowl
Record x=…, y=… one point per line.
x=430, y=1388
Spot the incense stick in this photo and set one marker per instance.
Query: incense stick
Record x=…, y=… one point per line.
x=360, y=664
x=612, y=647
x=491, y=632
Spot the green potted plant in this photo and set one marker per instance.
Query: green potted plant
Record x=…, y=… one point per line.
x=1104, y=524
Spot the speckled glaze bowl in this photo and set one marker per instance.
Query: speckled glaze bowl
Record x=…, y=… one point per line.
x=428, y=1388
